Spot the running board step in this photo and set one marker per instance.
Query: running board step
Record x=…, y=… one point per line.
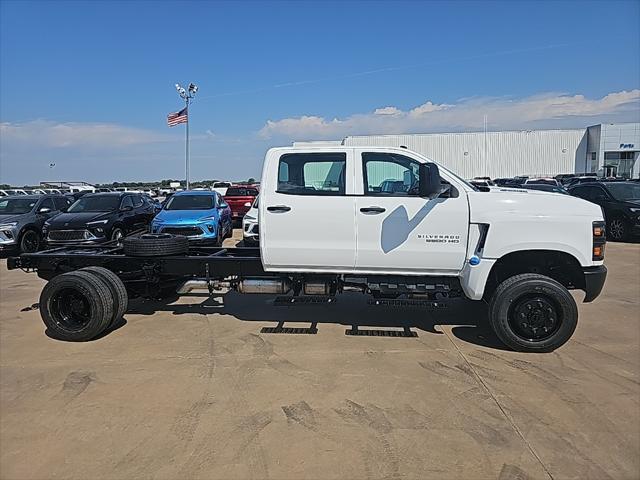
x=406, y=302
x=287, y=301
x=405, y=333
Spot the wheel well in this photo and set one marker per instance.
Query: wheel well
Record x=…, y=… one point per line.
x=26, y=228
x=561, y=266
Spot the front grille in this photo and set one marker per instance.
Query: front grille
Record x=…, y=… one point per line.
x=184, y=231
x=69, y=235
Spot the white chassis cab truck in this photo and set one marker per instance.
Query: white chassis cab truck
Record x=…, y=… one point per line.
x=386, y=222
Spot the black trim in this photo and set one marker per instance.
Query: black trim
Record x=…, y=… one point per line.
x=594, y=278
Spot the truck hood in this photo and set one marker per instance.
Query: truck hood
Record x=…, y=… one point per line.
x=77, y=220
x=184, y=216
x=485, y=206
x=11, y=217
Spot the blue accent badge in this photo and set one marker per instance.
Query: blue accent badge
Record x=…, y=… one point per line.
x=474, y=261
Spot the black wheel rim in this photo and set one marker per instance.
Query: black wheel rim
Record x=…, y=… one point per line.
x=617, y=229
x=535, y=317
x=117, y=234
x=70, y=309
x=30, y=242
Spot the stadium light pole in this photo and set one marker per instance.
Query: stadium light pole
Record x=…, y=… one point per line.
x=187, y=95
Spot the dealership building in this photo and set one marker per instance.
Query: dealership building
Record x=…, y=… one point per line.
x=606, y=149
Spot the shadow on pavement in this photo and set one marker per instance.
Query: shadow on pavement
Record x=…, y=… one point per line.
x=351, y=310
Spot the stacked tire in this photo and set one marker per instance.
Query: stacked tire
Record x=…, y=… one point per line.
x=82, y=305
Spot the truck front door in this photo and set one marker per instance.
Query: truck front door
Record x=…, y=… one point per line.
x=307, y=217
x=398, y=231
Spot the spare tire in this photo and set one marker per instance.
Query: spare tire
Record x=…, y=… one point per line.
x=155, y=245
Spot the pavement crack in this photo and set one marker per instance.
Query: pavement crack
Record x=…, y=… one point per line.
x=482, y=384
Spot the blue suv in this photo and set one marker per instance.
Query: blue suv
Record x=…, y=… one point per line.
x=201, y=216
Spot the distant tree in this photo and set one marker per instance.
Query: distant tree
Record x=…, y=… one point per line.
x=251, y=180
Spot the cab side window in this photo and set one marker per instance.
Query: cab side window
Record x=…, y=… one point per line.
x=47, y=203
x=389, y=174
x=312, y=174
x=126, y=202
x=137, y=201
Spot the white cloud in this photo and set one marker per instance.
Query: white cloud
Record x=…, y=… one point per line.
x=47, y=133
x=550, y=110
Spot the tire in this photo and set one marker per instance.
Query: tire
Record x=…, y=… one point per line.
x=29, y=241
x=117, y=234
x=618, y=229
x=548, y=312
x=117, y=288
x=76, y=306
x=155, y=245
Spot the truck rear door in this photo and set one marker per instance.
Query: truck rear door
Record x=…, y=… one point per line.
x=306, y=213
x=400, y=232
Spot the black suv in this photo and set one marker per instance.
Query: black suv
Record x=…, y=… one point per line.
x=100, y=217
x=620, y=202
x=22, y=218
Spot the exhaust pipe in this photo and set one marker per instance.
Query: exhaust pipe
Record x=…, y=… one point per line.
x=264, y=285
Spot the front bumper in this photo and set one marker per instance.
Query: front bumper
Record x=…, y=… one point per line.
x=195, y=232
x=8, y=240
x=594, y=278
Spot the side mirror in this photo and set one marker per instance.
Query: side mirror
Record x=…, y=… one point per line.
x=224, y=205
x=429, y=180
x=44, y=210
x=126, y=208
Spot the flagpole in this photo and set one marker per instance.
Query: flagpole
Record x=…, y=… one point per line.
x=186, y=149
x=187, y=94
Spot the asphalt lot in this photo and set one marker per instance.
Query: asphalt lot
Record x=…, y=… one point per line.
x=195, y=390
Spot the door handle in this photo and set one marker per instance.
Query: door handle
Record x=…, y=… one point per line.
x=373, y=210
x=279, y=208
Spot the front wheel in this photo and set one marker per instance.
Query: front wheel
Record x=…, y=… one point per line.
x=533, y=313
x=29, y=241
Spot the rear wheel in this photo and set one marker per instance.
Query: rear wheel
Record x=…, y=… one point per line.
x=117, y=288
x=533, y=313
x=76, y=306
x=618, y=229
x=29, y=241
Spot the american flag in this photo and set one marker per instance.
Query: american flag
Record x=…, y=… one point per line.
x=178, y=117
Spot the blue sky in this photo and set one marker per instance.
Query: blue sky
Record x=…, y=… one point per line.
x=87, y=85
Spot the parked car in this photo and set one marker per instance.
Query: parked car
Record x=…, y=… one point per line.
x=238, y=197
x=22, y=218
x=546, y=188
x=201, y=216
x=99, y=217
x=221, y=187
x=580, y=179
x=542, y=181
x=250, y=228
x=620, y=203
x=3, y=193
x=510, y=182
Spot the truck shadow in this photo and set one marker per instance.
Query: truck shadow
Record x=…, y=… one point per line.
x=467, y=318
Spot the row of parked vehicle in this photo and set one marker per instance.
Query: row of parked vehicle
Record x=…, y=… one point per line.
x=618, y=198
x=31, y=222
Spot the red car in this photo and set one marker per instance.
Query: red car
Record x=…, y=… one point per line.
x=240, y=198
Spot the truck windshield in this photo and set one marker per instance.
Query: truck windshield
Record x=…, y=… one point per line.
x=190, y=202
x=98, y=203
x=16, y=205
x=624, y=191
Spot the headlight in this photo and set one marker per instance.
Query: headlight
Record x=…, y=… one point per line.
x=98, y=222
x=635, y=210
x=207, y=219
x=8, y=226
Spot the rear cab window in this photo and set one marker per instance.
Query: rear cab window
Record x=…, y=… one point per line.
x=312, y=173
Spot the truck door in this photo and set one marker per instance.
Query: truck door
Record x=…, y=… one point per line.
x=306, y=215
x=398, y=231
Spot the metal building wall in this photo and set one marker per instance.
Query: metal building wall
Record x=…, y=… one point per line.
x=537, y=152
